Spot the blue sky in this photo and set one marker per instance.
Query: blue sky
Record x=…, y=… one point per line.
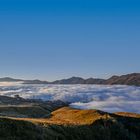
x=54, y=39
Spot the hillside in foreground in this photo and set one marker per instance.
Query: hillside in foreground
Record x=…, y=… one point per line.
x=30, y=119
x=73, y=124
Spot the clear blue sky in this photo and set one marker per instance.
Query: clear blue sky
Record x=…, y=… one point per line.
x=54, y=39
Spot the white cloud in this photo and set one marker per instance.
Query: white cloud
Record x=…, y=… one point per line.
x=107, y=98
x=10, y=83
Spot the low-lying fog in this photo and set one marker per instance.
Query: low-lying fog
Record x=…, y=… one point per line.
x=114, y=98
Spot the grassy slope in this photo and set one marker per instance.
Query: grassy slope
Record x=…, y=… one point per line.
x=73, y=124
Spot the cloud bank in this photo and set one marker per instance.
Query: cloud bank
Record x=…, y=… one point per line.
x=114, y=98
x=10, y=83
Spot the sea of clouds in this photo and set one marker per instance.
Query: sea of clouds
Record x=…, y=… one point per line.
x=116, y=98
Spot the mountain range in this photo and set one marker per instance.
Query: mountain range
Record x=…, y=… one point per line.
x=128, y=79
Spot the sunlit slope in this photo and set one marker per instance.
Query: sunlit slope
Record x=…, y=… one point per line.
x=70, y=116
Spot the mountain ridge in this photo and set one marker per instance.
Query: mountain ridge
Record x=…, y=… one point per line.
x=128, y=79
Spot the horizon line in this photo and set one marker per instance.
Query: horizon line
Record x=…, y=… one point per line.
x=11, y=77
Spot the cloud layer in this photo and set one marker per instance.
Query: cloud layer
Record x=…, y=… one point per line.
x=114, y=98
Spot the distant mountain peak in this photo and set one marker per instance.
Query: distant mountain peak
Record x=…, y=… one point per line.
x=9, y=79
